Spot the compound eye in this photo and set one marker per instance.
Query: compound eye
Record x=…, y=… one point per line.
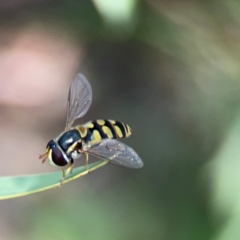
x=58, y=158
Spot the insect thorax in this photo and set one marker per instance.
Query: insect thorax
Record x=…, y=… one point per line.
x=70, y=142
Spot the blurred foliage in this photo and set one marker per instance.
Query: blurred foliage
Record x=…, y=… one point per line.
x=171, y=70
x=19, y=186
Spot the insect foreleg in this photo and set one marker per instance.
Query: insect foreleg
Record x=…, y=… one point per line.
x=65, y=173
x=86, y=163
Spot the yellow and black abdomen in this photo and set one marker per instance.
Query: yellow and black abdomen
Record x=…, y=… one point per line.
x=101, y=129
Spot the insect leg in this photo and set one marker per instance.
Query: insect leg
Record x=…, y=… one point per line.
x=63, y=177
x=65, y=173
x=87, y=157
x=70, y=167
x=86, y=163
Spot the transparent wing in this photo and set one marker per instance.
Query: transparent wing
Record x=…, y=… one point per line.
x=117, y=153
x=79, y=99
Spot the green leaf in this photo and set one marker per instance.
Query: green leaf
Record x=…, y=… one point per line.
x=18, y=186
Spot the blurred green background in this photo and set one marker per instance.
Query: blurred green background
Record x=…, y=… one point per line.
x=171, y=70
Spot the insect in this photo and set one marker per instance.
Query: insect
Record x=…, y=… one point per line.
x=96, y=138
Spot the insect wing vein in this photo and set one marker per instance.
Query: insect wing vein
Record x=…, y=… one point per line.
x=116, y=152
x=79, y=99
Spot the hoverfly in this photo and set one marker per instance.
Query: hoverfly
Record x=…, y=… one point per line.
x=96, y=138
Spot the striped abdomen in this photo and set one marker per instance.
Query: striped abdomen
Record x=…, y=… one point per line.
x=97, y=130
